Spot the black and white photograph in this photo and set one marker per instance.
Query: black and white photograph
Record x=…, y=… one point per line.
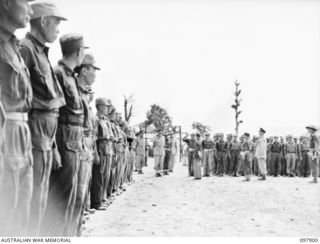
x=159, y=118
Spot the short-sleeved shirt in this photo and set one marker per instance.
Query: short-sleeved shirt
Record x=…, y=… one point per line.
x=275, y=147
x=16, y=91
x=207, y=144
x=47, y=92
x=221, y=146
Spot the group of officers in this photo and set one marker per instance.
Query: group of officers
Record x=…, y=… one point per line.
x=260, y=156
x=59, y=161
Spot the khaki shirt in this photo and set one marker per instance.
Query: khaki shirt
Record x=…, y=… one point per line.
x=16, y=92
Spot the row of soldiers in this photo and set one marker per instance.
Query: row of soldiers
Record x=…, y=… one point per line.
x=220, y=157
x=58, y=158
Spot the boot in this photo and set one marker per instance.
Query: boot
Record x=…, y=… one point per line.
x=263, y=177
x=314, y=180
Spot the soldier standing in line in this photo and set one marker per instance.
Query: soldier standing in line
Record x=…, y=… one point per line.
x=255, y=166
x=241, y=159
x=140, y=151
x=275, y=150
x=221, y=147
x=132, y=154
x=290, y=150
x=16, y=98
x=304, y=157
x=269, y=161
x=298, y=158
x=235, y=149
x=314, y=152
x=63, y=182
x=47, y=99
x=101, y=171
x=197, y=157
x=228, y=155
x=191, y=145
x=167, y=153
x=247, y=148
x=158, y=152
x=283, y=160
x=86, y=76
x=207, y=155
x=214, y=161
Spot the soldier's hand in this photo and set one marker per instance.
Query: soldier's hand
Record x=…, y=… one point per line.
x=56, y=162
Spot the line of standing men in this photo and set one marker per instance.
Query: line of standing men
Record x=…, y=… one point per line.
x=56, y=155
x=259, y=156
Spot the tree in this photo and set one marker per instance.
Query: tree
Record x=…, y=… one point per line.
x=201, y=127
x=159, y=117
x=128, y=107
x=236, y=106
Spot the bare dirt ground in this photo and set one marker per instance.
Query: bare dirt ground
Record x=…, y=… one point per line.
x=177, y=205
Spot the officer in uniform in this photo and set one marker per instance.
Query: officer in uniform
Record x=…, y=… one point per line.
x=47, y=99
x=283, y=160
x=158, y=152
x=304, y=149
x=207, y=156
x=275, y=150
x=241, y=159
x=290, y=150
x=247, y=148
x=132, y=153
x=261, y=154
x=86, y=74
x=314, y=151
x=167, y=153
x=63, y=181
x=191, y=146
x=255, y=166
x=214, y=161
x=197, y=157
x=235, y=149
x=16, y=98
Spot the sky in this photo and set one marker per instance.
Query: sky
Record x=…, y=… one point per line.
x=186, y=55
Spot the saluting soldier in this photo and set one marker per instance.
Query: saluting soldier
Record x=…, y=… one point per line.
x=235, y=149
x=47, y=99
x=16, y=98
x=191, y=145
x=207, y=156
x=314, y=152
x=86, y=76
x=63, y=181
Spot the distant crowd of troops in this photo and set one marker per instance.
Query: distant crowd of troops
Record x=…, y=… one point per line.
x=289, y=157
x=58, y=161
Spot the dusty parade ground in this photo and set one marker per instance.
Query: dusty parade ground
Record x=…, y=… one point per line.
x=177, y=205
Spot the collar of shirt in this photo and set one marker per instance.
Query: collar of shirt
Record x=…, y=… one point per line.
x=38, y=45
x=68, y=70
x=5, y=35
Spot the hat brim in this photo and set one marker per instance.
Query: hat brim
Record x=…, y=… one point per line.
x=311, y=128
x=60, y=17
x=96, y=68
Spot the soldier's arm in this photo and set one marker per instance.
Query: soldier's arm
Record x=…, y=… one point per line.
x=26, y=55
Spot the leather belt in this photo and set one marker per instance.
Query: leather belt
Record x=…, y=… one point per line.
x=17, y=116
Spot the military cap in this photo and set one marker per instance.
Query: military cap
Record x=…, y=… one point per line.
x=198, y=134
x=289, y=136
x=246, y=134
x=103, y=101
x=42, y=8
x=235, y=135
x=311, y=127
x=71, y=42
x=89, y=60
x=242, y=136
x=207, y=134
x=262, y=130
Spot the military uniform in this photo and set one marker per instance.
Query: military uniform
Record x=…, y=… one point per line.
x=228, y=155
x=275, y=167
x=140, y=152
x=63, y=182
x=197, y=158
x=247, y=148
x=158, y=152
x=290, y=150
x=207, y=157
x=314, y=153
x=191, y=146
x=16, y=97
x=43, y=119
x=167, y=154
x=305, y=159
x=221, y=147
x=235, y=149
